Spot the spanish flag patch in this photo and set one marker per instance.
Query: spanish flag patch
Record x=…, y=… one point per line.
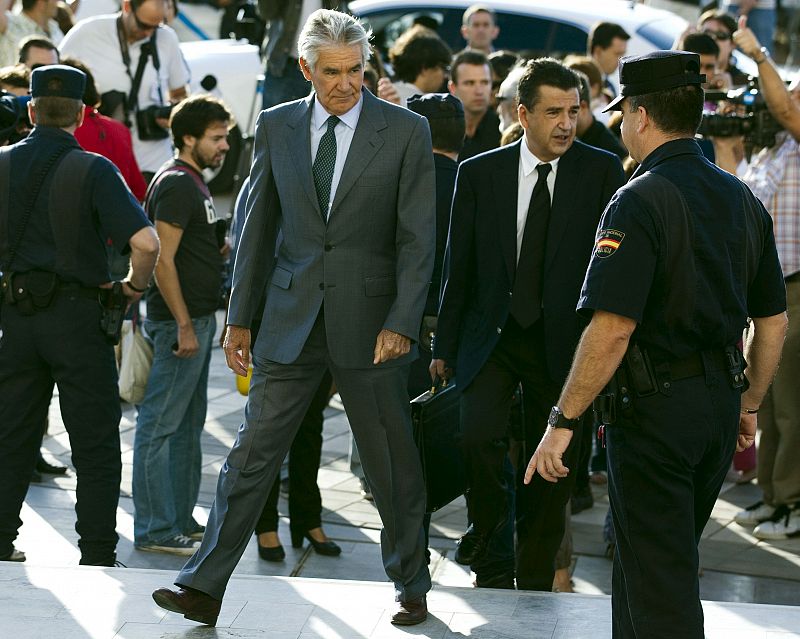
x=608, y=241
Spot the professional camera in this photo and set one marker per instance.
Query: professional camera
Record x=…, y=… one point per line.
x=146, y=123
x=14, y=122
x=749, y=117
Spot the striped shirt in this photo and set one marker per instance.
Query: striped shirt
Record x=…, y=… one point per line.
x=774, y=177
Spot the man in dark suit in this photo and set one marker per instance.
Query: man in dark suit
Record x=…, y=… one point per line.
x=521, y=234
x=347, y=180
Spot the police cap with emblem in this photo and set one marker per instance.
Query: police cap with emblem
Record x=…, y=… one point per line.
x=656, y=71
x=436, y=106
x=57, y=81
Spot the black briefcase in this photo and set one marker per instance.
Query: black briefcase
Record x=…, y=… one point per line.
x=435, y=419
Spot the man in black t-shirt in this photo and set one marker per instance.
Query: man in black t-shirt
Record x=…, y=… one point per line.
x=181, y=325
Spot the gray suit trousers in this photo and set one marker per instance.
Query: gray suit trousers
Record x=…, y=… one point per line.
x=378, y=410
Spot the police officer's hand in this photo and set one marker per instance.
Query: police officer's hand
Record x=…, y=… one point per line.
x=547, y=458
x=188, y=346
x=746, y=40
x=747, y=431
x=440, y=369
x=131, y=295
x=237, y=349
x=390, y=345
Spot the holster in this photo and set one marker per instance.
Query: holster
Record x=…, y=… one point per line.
x=114, y=304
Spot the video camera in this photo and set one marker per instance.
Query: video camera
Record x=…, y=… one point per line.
x=14, y=122
x=750, y=117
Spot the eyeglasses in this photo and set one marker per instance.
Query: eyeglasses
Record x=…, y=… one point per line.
x=718, y=35
x=143, y=26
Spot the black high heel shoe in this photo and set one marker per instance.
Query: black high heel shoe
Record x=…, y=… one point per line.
x=327, y=548
x=271, y=553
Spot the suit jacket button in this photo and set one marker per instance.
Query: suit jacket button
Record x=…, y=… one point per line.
x=328, y=247
x=499, y=330
x=321, y=286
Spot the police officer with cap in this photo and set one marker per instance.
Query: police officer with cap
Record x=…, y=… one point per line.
x=445, y=115
x=684, y=255
x=59, y=207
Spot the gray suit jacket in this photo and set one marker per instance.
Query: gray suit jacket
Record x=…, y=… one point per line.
x=370, y=265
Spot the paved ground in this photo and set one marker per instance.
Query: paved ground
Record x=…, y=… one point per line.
x=736, y=566
x=106, y=603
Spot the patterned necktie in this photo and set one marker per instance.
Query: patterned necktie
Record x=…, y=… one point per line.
x=526, y=297
x=324, y=164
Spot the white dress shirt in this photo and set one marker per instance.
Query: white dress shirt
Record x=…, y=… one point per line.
x=344, y=136
x=528, y=176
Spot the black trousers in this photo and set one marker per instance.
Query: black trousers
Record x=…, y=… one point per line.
x=62, y=345
x=305, y=502
x=665, y=472
x=519, y=357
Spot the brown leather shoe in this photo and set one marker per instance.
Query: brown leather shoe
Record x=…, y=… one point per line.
x=411, y=612
x=191, y=603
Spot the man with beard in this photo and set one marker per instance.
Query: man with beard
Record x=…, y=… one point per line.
x=181, y=324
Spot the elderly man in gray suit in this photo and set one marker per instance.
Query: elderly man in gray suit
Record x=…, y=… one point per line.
x=348, y=182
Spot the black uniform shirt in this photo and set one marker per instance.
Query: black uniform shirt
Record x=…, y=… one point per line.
x=107, y=210
x=486, y=138
x=687, y=251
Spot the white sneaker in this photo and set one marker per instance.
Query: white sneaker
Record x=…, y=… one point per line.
x=178, y=545
x=755, y=514
x=787, y=525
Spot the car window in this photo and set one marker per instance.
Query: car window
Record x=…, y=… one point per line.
x=517, y=32
x=660, y=36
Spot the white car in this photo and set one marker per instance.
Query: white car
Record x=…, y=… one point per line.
x=546, y=27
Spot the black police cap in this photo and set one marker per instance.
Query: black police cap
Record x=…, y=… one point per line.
x=656, y=71
x=436, y=106
x=57, y=81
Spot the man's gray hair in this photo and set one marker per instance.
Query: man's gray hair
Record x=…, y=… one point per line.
x=326, y=28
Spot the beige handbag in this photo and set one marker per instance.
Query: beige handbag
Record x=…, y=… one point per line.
x=136, y=361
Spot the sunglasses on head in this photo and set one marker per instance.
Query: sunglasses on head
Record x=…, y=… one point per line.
x=718, y=35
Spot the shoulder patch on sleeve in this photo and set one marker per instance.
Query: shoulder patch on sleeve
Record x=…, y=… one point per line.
x=608, y=241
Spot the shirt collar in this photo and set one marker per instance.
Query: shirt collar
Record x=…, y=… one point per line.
x=530, y=161
x=682, y=146
x=320, y=116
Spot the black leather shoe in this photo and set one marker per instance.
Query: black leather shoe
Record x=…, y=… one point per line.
x=271, y=553
x=327, y=548
x=504, y=581
x=472, y=545
x=411, y=612
x=191, y=603
x=46, y=468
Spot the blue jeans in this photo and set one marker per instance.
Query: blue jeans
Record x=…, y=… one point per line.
x=166, y=451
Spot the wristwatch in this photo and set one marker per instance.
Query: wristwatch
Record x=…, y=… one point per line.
x=557, y=419
x=764, y=56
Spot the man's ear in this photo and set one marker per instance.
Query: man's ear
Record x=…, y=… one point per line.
x=188, y=142
x=305, y=68
x=464, y=31
x=31, y=115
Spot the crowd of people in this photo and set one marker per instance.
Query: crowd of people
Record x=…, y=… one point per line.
x=436, y=214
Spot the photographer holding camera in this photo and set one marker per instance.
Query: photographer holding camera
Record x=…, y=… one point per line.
x=773, y=174
x=139, y=70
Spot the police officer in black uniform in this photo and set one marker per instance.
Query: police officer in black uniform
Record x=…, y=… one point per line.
x=58, y=206
x=684, y=255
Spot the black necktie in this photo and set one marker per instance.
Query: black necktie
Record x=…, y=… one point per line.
x=324, y=163
x=526, y=299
